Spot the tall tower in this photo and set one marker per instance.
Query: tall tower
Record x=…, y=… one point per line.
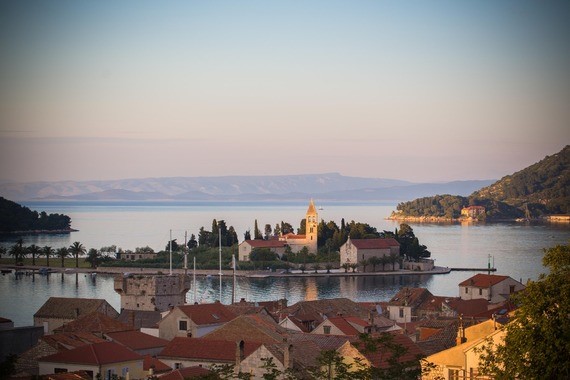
x=311, y=224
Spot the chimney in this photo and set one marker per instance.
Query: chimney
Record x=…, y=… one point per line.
x=371, y=317
x=287, y=356
x=461, y=332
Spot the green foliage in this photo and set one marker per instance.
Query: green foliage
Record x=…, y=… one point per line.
x=262, y=254
x=537, y=340
x=537, y=190
x=14, y=217
x=409, y=244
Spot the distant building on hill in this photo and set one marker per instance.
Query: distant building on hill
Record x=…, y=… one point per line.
x=473, y=212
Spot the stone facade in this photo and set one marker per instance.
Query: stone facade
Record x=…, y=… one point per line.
x=309, y=239
x=152, y=292
x=358, y=250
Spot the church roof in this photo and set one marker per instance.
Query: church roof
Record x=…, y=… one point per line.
x=311, y=209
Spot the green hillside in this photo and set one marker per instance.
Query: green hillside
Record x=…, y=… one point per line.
x=14, y=217
x=536, y=191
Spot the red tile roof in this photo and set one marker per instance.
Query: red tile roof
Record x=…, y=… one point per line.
x=266, y=243
x=94, y=354
x=482, y=280
x=94, y=322
x=343, y=325
x=378, y=243
x=156, y=365
x=69, y=341
x=136, y=340
x=205, y=349
x=468, y=308
x=380, y=357
x=186, y=373
x=70, y=308
x=208, y=314
x=291, y=235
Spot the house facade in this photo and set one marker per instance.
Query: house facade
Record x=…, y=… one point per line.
x=194, y=320
x=59, y=310
x=473, y=212
x=493, y=288
x=107, y=359
x=245, y=247
x=359, y=250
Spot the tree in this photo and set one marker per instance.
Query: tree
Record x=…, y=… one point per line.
x=48, y=251
x=247, y=235
x=374, y=260
x=34, y=250
x=175, y=246
x=93, y=258
x=62, y=253
x=262, y=254
x=192, y=243
x=364, y=264
x=77, y=249
x=268, y=231
x=3, y=251
x=537, y=339
x=256, y=232
x=17, y=251
x=345, y=266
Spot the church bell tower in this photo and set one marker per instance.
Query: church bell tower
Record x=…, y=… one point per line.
x=311, y=224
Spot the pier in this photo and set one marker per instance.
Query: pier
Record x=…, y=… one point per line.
x=473, y=269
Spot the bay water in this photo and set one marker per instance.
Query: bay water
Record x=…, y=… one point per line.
x=515, y=249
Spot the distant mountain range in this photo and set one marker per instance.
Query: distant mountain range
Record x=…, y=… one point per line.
x=327, y=186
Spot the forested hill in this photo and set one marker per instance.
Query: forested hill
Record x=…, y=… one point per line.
x=536, y=191
x=14, y=217
x=544, y=185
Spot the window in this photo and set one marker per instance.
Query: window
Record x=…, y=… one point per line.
x=109, y=374
x=59, y=370
x=327, y=329
x=480, y=291
x=511, y=289
x=401, y=312
x=124, y=372
x=466, y=290
x=182, y=325
x=453, y=374
x=177, y=365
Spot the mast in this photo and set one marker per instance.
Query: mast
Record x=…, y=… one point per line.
x=170, y=249
x=185, y=253
x=194, y=279
x=220, y=257
x=234, y=283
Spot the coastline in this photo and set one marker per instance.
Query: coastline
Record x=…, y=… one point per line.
x=40, y=232
x=215, y=273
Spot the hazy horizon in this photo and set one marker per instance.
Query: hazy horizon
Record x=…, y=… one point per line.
x=416, y=91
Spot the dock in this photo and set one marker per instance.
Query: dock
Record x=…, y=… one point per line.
x=473, y=269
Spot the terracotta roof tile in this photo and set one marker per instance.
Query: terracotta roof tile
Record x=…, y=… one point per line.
x=94, y=354
x=343, y=325
x=156, y=365
x=136, y=340
x=207, y=314
x=67, y=308
x=255, y=327
x=186, y=373
x=205, y=349
x=266, y=243
x=140, y=318
x=94, y=322
x=76, y=375
x=71, y=340
x=378, y=243
x=380, y=357
x=482, y=280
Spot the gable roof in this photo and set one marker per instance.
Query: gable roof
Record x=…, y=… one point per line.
x=207, y=314
x=343, y=325
x=156, y=365
x=329, y=307
x=205, y=349
x=186, y=373
x=256, y=327
x=70, y=340
x=94, y=354
x=136, y=340
x=377, y=243
x=94, y=322
x=70, y=308
x=381, y=355
x=272, y=243
x=468, y=308
x=481, y=280
x=412, y=297
x=140, y=318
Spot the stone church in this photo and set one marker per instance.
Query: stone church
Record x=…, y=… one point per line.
x=309, y=239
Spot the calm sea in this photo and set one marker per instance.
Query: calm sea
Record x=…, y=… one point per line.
x=516, y=249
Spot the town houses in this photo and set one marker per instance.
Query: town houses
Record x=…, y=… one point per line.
x=92, y=340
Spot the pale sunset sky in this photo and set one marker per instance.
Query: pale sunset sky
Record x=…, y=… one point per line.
x=413, y=90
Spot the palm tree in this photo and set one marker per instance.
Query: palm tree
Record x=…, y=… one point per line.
x=34, y=250
x=328, y=267
x=353, y=266
x=93, y=257
x=3, y=251
x=364, y=264
x=316, y=267
x=77, y=249
x=345, y=266
x=393, y=259
x=374, y=260
x=47, y=252
x=63, y=253
x=18, y=252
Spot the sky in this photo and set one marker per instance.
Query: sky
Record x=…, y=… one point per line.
x=424, y=91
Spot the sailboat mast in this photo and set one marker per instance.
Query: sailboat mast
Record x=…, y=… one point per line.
x=170, y=249
x=185, y=253
x=234, y=283
x=194, y=279
x=220, y=257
